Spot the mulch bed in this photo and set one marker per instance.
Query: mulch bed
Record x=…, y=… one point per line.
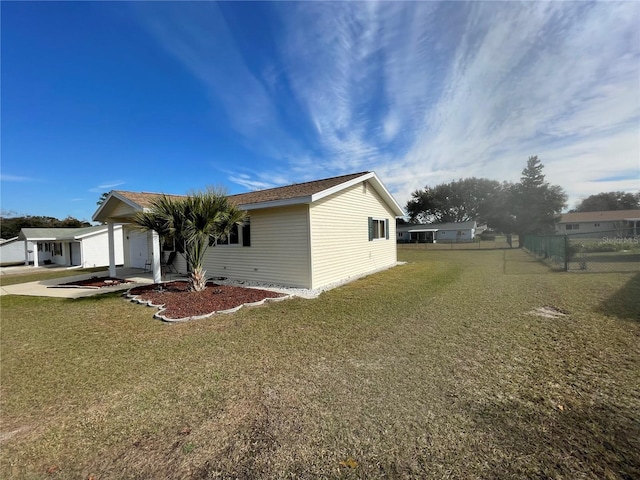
x=95, y=282
x=180, y=303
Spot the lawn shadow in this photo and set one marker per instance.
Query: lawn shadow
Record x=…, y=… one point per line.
x=521, y=262
x=625, y=303
x=536, y=439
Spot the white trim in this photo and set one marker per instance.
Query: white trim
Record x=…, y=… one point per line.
x=276, y=203
x=114, y=194
x=308, y=199
x=330, y=191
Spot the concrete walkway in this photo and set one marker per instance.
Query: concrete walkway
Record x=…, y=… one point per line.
x=49, y=288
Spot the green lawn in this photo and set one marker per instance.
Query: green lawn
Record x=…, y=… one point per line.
x=433, y=369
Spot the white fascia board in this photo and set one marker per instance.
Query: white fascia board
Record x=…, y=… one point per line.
x=41, y=239
x=276, y=203
x=418, y=230
x=111, y=195
x=96, y=232
x=330, y=191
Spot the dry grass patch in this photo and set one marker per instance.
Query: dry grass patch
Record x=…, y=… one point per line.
x=15, y=278
x=430, y=370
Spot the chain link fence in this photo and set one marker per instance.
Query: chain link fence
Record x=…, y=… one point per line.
x=611, y=251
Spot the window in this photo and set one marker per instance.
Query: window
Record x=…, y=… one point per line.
x=168, y=244
x=572, y=226
x=378, y=228
x=239, y=235
x=596, y=224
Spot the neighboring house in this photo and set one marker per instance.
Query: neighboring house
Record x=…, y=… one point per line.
x=438, y=232
x=84, y=247
x=12, y=251
x=611, y=223
x=307, y=235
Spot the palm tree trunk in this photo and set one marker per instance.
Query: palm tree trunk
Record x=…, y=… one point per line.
x=198, y=279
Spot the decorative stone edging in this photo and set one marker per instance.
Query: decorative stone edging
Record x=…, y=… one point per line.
x=161, y=308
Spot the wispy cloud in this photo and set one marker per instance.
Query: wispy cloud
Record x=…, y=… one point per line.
x=4, y=177
x=106, y=186
x=426, y=92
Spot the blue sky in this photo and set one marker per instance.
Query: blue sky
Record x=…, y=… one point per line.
x=175, y=96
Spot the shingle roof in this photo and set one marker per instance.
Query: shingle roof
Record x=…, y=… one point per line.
x=145, y=199
x=297, y=190
x=58, y=233
x=609, y=215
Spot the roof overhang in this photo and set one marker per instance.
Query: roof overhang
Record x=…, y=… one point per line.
x=102, y=214
x=370, y=177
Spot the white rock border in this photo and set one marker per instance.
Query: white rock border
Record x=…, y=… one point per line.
x=161, y=308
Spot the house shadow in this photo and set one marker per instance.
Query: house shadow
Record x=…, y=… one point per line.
x=625, y=303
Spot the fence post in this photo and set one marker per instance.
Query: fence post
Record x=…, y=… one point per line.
x=566, y=252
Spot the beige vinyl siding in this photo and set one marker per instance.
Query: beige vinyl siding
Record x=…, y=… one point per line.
x=122, y=210
x=340, y=243
x=279, y=251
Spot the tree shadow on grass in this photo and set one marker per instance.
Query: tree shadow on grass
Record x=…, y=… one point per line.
x=546, y=441
x=625, y=303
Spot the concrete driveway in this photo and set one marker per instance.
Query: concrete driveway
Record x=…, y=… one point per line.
x=51, y=288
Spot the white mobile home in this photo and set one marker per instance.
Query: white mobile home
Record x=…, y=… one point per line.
x=307, y=235
x=454, y=232
x=12, y=251
x=611, y=223
x=83, y=247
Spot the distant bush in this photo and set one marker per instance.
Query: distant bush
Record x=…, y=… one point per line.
x=488, y=235
x=605, y=245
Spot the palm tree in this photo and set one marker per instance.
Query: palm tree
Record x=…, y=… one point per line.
x=194, y=222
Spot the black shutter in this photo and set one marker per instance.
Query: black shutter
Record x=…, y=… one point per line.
x=370, y=228
x=246, y=235
x=386, y=228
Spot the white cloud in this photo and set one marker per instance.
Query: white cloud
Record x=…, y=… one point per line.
x=427, y=92
x=16, y=178
x=106, y=186
x=539, y=78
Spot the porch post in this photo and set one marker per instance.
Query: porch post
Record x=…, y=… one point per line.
x=112, y=249
x=26, y=251
x=155, y=246
x=35, y=254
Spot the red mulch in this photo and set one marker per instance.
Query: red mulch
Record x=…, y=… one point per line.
x=96, y=282
x=179, y=302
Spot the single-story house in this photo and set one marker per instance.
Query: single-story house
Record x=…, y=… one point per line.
x=611, y=223
x=12, y=250
x=438, y=232
x=307, y=235
x=84, y=247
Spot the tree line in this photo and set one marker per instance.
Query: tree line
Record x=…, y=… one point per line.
x=530, y=206
x=10, y=226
